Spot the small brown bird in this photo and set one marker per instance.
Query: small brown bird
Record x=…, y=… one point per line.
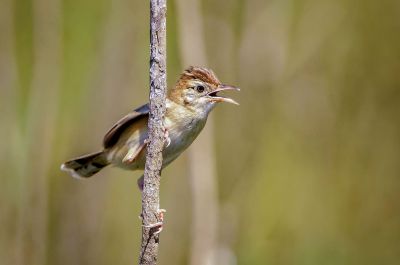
x=187, y=107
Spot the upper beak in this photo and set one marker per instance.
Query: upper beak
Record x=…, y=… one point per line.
x=213, y=95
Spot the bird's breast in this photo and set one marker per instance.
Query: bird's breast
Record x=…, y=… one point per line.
x=183, y=127
x=182, y=130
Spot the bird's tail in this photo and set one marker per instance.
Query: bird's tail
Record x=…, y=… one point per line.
x=85, y=166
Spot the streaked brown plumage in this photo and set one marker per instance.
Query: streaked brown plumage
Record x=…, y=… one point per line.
x=187, y=107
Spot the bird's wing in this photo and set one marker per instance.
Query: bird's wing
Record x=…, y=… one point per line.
x=118, y=128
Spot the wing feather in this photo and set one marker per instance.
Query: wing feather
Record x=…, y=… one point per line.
x=113, y=135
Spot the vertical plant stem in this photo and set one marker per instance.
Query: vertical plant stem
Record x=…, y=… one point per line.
x=39, y=132
x=150, y=195
x=203, y=176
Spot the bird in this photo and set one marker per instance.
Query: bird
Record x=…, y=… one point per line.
x=188, y=104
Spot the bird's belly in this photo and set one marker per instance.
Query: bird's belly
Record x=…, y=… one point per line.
x=181, y=134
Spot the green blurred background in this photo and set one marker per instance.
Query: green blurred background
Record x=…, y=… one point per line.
x=305, y=171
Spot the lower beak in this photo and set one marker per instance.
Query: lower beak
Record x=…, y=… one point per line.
x=213, y=96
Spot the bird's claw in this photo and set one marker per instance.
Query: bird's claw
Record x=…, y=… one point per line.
x=167, y=140
x=157, y=225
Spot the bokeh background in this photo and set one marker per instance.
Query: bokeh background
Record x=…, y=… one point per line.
x=305, y=171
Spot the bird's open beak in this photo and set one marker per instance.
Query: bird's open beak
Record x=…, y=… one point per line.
x=215, y=97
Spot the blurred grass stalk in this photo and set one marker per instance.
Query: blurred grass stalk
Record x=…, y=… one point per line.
x=202, y=158
x=8, y=121
x=33, y=146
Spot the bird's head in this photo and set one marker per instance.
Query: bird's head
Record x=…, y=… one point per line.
x=198, y=88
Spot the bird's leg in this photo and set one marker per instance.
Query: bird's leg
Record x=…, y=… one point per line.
x=160, y=212
x=167, y=140
x=158, y=225
x=140, y=183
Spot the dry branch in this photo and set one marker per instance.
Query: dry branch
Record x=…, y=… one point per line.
x=150, y=195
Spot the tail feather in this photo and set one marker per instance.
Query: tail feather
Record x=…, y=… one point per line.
x=85, y=166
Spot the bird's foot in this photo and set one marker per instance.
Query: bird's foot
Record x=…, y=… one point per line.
x=167, y=140
x=158, y=225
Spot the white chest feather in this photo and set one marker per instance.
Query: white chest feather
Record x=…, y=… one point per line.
x=183, y=127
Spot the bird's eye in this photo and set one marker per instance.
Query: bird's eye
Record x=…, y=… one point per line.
x=200, y=88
